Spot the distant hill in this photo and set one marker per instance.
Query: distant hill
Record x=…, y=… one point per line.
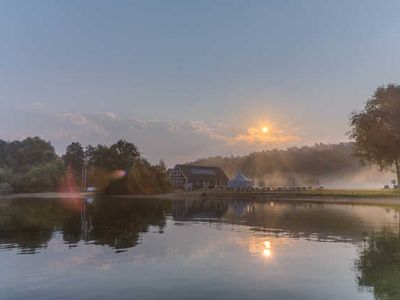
x=293, y=166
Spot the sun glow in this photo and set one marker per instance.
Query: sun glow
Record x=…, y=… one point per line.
x=265, y=132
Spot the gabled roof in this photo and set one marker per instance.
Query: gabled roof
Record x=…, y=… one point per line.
x=201, y=173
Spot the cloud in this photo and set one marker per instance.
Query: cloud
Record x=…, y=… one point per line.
x=84, y=122
x=110, y=115
x=175, y=142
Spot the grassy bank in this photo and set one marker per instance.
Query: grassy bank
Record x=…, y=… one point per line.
x=373, y=197
x=353, y=193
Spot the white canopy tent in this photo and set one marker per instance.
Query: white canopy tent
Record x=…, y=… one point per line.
x=240, y=181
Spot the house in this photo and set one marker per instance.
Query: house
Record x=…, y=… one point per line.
x=190, y=177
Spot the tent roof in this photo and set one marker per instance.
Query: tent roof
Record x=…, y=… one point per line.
x=241, y=177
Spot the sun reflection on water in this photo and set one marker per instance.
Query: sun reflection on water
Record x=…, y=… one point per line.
x=259, y=246
x=267, y=252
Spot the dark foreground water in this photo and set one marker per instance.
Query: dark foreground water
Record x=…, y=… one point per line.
x=151, y=249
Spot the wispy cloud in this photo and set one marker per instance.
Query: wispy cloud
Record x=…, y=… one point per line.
x=172, y=141
x=83, y=121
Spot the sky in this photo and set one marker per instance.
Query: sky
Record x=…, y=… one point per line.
x=192, y=79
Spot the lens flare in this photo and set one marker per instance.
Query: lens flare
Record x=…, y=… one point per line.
x=118, y=174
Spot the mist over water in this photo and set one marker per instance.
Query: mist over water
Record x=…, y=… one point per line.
x=367, y=179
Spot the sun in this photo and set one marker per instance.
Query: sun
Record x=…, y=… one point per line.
x=264, y=129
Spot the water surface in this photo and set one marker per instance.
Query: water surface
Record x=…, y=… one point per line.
x=159, y=249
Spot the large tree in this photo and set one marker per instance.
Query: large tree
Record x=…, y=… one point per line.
x=376, y=129
x=74, y=157
x=119, y=156
x=120, y=169
x=32, y=151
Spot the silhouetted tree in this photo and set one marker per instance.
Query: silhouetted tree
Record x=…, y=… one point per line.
x=74, y=158
x=21, y=155
x=3, y=153
x=376, y=129
x=30, y=165
x=119, y=156
x=119, y=169
x=40, y=178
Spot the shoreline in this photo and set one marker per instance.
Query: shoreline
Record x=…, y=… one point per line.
x=368, y=197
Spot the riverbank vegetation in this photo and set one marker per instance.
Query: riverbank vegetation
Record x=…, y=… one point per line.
x=31, y=166
x=375, y=193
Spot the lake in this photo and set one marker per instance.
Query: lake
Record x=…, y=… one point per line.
x=106, y=248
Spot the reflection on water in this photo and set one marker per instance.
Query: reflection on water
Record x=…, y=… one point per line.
x=267, y=251
x=378, y=266
x=29, y=224
x=207, y=249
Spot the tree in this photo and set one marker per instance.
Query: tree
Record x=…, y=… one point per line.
x=30, y=165
x=3, y=153
x=21, y=155
x=376, y=129
x=74, y=158
x=39, y=178
x=119, y=156
x=120, y=169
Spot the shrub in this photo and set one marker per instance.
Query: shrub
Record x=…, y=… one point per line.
x=6, y=188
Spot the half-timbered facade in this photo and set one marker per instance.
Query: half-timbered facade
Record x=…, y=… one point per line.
x=192, y=177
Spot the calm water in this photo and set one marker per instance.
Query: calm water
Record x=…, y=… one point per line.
x=150, y=249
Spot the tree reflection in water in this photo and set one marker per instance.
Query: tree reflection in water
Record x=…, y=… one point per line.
x=28, y=224
x=119, y=225
x=378, y=266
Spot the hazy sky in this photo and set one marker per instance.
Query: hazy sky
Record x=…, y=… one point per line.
x=188, y=79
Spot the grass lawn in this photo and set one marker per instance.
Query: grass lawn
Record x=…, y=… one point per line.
x=355, y=193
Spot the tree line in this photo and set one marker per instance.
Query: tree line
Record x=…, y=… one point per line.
x=302, y=164
x=32, y=165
